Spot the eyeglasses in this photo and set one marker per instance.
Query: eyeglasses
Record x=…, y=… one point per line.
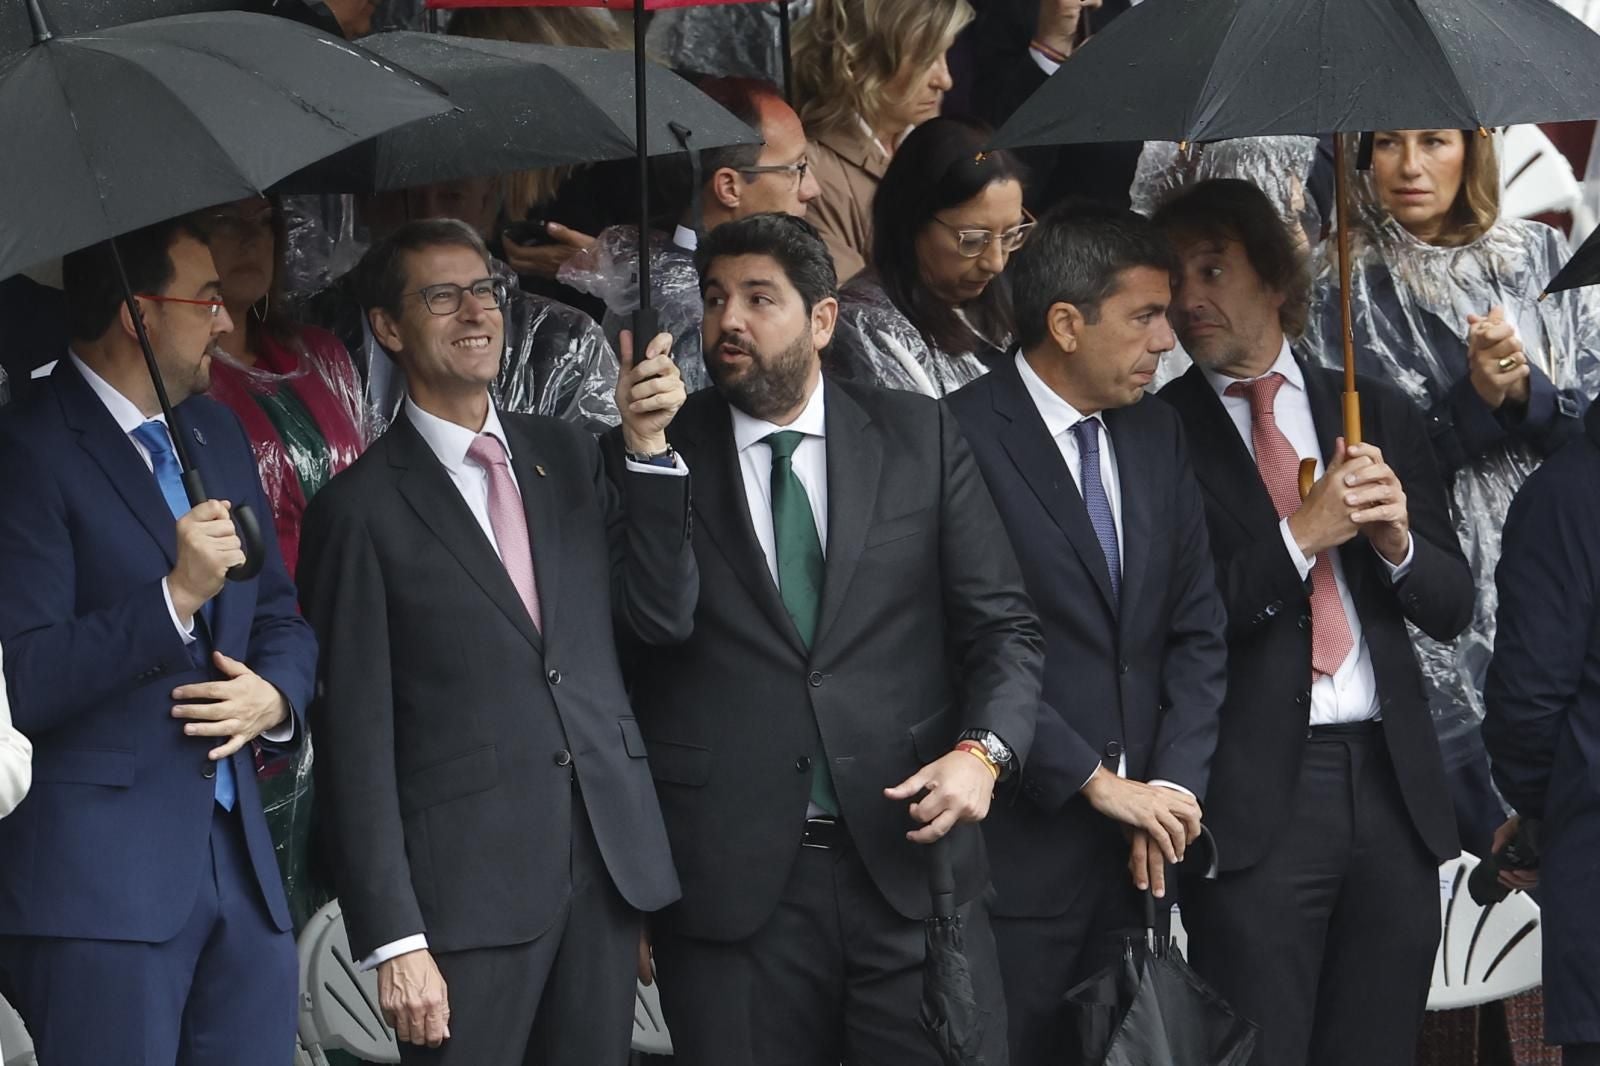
x=971, y=243
x=797, y=169
x=213, y=306
x=445, y=298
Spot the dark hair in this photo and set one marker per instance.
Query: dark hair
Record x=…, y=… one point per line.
x=743, y=98
x=93, y=289
x=939, y=165
x=381, y=274
x=274, y=320
x=1228, y=209
x=1076, y=255
x=792, y=241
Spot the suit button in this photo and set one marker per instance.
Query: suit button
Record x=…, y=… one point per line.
x=1114, y=749
x=563, y=757
x=1271, y=611
x=803, y=763
x=1304, y=699
x=554, y=677
x=1122, y=668
x=209, y=770
x=814, y=679
x=1304, y=621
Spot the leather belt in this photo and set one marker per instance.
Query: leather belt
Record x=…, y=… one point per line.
x=1372, y=727
x=828, y=833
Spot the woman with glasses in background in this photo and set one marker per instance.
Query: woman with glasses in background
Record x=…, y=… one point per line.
x=933, y=312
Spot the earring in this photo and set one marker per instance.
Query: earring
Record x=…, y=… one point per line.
x=261, y=307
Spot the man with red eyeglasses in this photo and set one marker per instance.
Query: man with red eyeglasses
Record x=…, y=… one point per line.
x=142, y=917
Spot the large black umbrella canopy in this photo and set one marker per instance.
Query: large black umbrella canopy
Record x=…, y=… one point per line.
x=1204, y=70
x=69, y=17
x=522, y=106
x=1582, y=269
x=116, y=129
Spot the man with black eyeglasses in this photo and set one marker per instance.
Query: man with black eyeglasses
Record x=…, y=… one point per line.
x=494, y=829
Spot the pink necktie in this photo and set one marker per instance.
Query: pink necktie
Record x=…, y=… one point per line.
x=508, y=520
x=1279, y=463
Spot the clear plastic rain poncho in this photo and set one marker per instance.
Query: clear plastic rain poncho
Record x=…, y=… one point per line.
x=556, y=360
x=729, y=39
x=1410, y=303
x=610, y=271
x=876, y=344
x=1278, y=166
x=324, y=240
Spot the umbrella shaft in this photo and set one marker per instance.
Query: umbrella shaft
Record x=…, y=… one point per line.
x=642, y=148
x=1352, y=405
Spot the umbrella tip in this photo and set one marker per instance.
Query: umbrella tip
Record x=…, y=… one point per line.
x=41, y=28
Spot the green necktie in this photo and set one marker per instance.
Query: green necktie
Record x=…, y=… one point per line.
x=794, y=532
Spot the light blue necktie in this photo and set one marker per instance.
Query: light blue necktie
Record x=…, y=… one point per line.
x=153, y=435
x=1096, y=501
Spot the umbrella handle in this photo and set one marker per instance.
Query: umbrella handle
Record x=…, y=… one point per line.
x=646, y=324
x=1308, y=476
x=942, y=878
x=244, y=520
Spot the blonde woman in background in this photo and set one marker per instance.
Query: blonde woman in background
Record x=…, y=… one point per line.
x=865, y=73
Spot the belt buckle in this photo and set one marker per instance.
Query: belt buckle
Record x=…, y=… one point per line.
x=830, y=825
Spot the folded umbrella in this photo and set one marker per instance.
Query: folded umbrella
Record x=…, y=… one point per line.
x=950, y=1014
x=126, y=126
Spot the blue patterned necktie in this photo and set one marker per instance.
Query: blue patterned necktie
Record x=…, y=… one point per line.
x=153, y=435
x=1095, y=500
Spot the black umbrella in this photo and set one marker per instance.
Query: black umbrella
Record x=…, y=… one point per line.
x=114, y=129
x=522, y=106
x=1203, y=70
x=950, y=1013
x=1582, y=269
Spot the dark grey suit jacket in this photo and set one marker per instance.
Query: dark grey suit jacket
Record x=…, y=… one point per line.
x=925, y=631
x=449, y=729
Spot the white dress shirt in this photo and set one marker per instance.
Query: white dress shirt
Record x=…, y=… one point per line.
x=1350, y=694
x=16, y=757
x=810, y=465
x=686, y=238
x=1045, y=63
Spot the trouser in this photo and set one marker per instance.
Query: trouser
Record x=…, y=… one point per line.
x=834, y=977
x=563, y=999
x=224, y=990
x=1328, y=943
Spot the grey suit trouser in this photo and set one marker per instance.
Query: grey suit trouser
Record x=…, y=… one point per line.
x=563, y=999
x=834, y=977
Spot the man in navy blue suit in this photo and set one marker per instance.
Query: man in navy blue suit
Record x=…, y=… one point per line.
x=142, y=917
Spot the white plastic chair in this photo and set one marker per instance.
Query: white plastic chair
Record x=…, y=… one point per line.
x=1535, y=177
x=15, y=1047
x=339, y=1003
x=1485, y=953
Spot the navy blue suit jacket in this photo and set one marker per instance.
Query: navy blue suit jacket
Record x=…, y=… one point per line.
x=112, y=842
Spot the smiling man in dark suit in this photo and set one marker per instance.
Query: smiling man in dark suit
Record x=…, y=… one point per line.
x=1094, y=485
x=1328, y=797
x=494, y=825
x=864, y=664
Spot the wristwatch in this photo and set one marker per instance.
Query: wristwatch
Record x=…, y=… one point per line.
x=666, y=458
x=998, y=750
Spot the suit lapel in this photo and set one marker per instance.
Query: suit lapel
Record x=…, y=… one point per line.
x=1137, y=506
x=723, y=513
x=1221, y=460
x=427, y=487
x=855, y=459
x=100, y=436
x=1038, y=459
x=543, y=511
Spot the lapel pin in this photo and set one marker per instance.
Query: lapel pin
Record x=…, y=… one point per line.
x=199, y=438
x=540, y=469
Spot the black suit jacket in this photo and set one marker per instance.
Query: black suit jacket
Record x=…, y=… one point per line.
x=1143, y=678
x=925, y=630
x=1264, y=720
x=449, y=728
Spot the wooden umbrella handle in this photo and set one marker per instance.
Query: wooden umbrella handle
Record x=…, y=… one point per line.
x=1308, y=476
x=1352, y=402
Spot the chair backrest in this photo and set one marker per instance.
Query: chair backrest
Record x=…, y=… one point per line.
x=1535, y=177
x=339, y=1003
x=16, y=1048
x=1485, y=953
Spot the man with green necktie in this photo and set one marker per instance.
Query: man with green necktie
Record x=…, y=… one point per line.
x=864, y=668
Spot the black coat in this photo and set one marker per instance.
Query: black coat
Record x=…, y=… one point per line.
x=924, y=631
x=1144, y=678
x=1264, y=720
x=448, y=728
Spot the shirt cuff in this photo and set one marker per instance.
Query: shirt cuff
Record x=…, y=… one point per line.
x=678, y=468
x=281, y=734
x=186, y=632
x=1399, y=570
x=1160, y=783
x=1301, y=564
x=416, y=942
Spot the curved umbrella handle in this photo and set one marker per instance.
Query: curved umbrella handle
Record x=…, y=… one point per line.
x=942, y=878
x=255, y=549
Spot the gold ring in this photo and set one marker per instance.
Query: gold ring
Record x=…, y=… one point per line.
x=1508, y=362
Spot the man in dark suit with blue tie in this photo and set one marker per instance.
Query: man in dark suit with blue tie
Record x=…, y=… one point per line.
x=1094, y=486
x=142, y=915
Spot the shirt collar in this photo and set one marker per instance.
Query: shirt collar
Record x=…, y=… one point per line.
x=1045, y=63
x=450, y=441
x=1059, y=415
x=748, y=430
x=126, y=413
x=686, y=238
x=1285, y=365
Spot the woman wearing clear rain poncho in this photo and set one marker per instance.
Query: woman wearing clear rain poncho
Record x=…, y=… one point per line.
x=933, y=312
x=1445, y=303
